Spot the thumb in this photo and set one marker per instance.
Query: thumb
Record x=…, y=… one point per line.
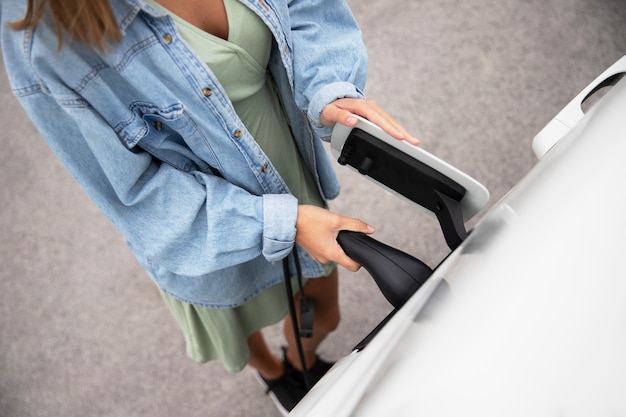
x=334, y=114
x=357, y=225
x=351, y=225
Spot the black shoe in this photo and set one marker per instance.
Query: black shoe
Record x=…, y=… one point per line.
x=319, y=369
x=286, y=391
x=316, y=372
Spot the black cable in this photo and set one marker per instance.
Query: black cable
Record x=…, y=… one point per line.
x=307, y=306
x=294, y=319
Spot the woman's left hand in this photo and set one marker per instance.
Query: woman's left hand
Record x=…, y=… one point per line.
x=343, y=111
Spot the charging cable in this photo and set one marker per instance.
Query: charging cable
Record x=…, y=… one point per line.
x=304, y=326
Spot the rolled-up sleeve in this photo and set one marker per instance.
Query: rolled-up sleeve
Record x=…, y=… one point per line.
x=323, y=97
x=279, y=219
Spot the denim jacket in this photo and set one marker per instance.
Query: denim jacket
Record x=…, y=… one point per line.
x=150, y=135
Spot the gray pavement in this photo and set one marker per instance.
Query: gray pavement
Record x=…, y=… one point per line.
x=83, y=332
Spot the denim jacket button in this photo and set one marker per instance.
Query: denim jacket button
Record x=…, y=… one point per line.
x=167, y=38
x=207, y=92
x=158, y=125
x=238, y=133
x=264, y=168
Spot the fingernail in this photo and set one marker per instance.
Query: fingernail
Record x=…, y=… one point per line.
x=412, y=139
x=370, y=229
x=351, y=121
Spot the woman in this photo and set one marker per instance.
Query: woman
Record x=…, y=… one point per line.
x=196, y=127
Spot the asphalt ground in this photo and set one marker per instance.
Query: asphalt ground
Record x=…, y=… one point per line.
x=83, y=331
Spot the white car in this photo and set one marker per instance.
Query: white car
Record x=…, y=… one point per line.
x=527, y=315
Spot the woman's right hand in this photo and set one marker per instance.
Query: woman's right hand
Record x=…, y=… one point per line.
x=317, y=230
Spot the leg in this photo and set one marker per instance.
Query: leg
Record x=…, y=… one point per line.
x=325, y=293
x=268, y=365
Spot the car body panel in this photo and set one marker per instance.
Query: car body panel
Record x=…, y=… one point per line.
x=528, y=316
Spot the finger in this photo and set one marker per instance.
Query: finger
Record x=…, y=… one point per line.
x=356, y=225
x=334, y=114
x=343, y=110
x=344, y=260
x=389, y=124
x=350, y=265
x=353, y=225
x=370, y=110
x=335, y=253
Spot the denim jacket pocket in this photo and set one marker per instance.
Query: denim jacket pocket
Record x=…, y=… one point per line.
x=164, y=133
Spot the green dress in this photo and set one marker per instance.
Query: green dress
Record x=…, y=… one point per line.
x=240, y=64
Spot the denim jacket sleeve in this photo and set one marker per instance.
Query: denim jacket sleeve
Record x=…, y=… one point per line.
x=167, y=214
x=329, y=57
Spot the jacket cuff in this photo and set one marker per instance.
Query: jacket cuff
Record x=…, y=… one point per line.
x=325, y=96
x=279, y=225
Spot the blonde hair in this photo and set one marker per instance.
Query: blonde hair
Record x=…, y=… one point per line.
x=89, y=21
